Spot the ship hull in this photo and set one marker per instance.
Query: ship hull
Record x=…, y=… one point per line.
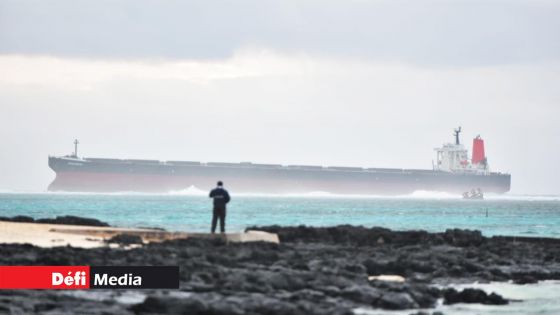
x=108, y=175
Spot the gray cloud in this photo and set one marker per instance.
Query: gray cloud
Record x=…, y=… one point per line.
x=451, y=33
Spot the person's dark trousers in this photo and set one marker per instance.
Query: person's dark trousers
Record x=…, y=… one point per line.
x=219, y=213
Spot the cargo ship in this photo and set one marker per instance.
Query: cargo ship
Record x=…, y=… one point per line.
x=452, y=171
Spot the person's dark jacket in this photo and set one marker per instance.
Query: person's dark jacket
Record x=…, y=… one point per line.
x=221, y=197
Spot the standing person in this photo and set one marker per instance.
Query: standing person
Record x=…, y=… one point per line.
x=221, y=198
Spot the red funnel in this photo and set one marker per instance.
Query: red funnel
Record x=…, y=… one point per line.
x=478, y=150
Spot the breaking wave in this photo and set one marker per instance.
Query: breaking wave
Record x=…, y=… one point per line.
x=190, y=191
x=513, y=197
x=195, y=191
x=323, y=194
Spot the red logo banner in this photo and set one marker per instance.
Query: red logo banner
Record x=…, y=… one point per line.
x=44, y=277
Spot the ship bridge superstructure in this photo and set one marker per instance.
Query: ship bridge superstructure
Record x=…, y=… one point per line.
x=454, y=157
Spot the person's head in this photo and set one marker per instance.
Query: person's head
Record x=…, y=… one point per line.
x=220, y=184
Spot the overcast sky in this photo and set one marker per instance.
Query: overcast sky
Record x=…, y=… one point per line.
x=353, y=83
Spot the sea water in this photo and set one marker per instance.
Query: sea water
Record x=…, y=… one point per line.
x=191, y=210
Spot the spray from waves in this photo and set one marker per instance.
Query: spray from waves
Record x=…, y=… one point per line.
x=513, y=197
x=72, y=193
x=189, y=191
x=22, y=192
x=426, y=194
x=421, y=194
x=195, y=191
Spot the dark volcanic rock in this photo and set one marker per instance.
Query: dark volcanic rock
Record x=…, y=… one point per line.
x=463, y=238
x=313, y=271
x=48, y=302
x=524, y=279
x=67, y=219
x=345, y=234
x=397, y=301
x=125, y=239
x=363, y=236
x=18, y=218
x=73, y=220
x=452, y=296
x=362, y=294
x=210, y=303
x=166, y=305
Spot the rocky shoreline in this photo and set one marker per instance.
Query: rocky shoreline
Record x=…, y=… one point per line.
x=312, y=271
x=65, y=220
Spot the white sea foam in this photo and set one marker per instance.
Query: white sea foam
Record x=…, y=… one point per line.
x=195, y=191
x=324, y=194
x=190, y=191
x=15, y=191
x=516, y=197
x=426, y=194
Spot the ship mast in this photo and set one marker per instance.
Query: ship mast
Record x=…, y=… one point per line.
x=76, y=148
x=456, y=134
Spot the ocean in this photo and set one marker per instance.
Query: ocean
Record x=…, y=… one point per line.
x=190, y=210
